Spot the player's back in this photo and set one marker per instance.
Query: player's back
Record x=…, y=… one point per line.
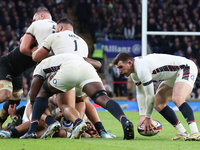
x=159, y=66
x=17, y=61
x=154, y=61
x=68, y=42
x=41, y=29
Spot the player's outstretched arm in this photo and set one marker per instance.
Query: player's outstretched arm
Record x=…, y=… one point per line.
x=39, y=54
x=95, y=63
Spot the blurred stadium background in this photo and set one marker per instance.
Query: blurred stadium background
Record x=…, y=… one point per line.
x=119, y=25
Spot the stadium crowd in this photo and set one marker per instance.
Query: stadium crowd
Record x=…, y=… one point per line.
x=121, y=20
x=16, y=17
x=111, y=20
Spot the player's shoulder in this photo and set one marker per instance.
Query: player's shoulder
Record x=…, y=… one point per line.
x=70, y=34
x=43, y=22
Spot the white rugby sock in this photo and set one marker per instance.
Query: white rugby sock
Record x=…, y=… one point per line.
x=193, y=128
x=180, y=129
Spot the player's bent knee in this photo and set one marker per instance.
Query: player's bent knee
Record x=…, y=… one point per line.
x=98, y=94
x=178, y=101
x=16, y=95
x=159, y=107
x=6, y=89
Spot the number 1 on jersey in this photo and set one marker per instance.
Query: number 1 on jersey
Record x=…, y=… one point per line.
x=75, y=45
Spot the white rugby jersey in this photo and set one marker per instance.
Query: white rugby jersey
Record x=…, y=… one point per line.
x=41, y=29
x=66, y=42
x=157, y=67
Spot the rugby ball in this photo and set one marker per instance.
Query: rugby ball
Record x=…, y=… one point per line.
x=156, y=130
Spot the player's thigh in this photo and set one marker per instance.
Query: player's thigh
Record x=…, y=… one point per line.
x=181, y=91
x=66, y=98
x=35, y=87
x=163, y=95
x=184, y=83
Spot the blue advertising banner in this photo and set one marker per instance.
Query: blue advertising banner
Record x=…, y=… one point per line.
x=112, y=48
x=132, y=105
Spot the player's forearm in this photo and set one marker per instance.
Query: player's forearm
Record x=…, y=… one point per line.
x=25, y=50
x=39, y=54
x=141, y=104
x=149, y=92
x=150, y=105
x=95, y=63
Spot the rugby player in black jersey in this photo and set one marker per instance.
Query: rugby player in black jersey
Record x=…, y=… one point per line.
x=12, y=65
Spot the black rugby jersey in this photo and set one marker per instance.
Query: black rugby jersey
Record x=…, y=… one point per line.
x=17, y=62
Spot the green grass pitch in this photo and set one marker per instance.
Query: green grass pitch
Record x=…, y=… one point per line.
x=160, y=141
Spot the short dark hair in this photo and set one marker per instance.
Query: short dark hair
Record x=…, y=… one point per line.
x=43, y=10
x=66, y=21
x=123, y=56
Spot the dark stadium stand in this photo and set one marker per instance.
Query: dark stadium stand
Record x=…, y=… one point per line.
x=109, y=20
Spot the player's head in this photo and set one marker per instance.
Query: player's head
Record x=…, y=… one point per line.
x=125, y=63
x=42, y=14
x=64, y=24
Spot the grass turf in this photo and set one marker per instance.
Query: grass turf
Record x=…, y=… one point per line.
x=160, y=141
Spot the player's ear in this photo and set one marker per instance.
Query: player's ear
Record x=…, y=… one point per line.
x=60, y=27
x=129, y=62
x=42, y=16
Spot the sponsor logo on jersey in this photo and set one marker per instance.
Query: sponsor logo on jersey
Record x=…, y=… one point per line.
x=8, y=76
x=55, y=81
x=192, y=77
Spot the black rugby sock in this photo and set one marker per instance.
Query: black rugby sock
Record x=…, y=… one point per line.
x=39, y=107
x=114, y=108
x=20, y=110
x=99, y=126
x=187, y=112
x=49, y=120
x=77, y=121
x=169, y=115
x=14, y=133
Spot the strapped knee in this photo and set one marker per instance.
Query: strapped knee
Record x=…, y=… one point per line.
x=6, y=85
x=97, y=94
x=17, y=95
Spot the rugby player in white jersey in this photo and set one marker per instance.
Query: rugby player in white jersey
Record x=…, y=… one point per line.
x=177, y=75
x=69, y=105
x=82, y=75
x=42, y=26
x=43, y=71
x=96, y=91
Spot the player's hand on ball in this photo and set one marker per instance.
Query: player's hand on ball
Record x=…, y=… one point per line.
x=158, y=127
x=148, y=125
x=142, y=118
